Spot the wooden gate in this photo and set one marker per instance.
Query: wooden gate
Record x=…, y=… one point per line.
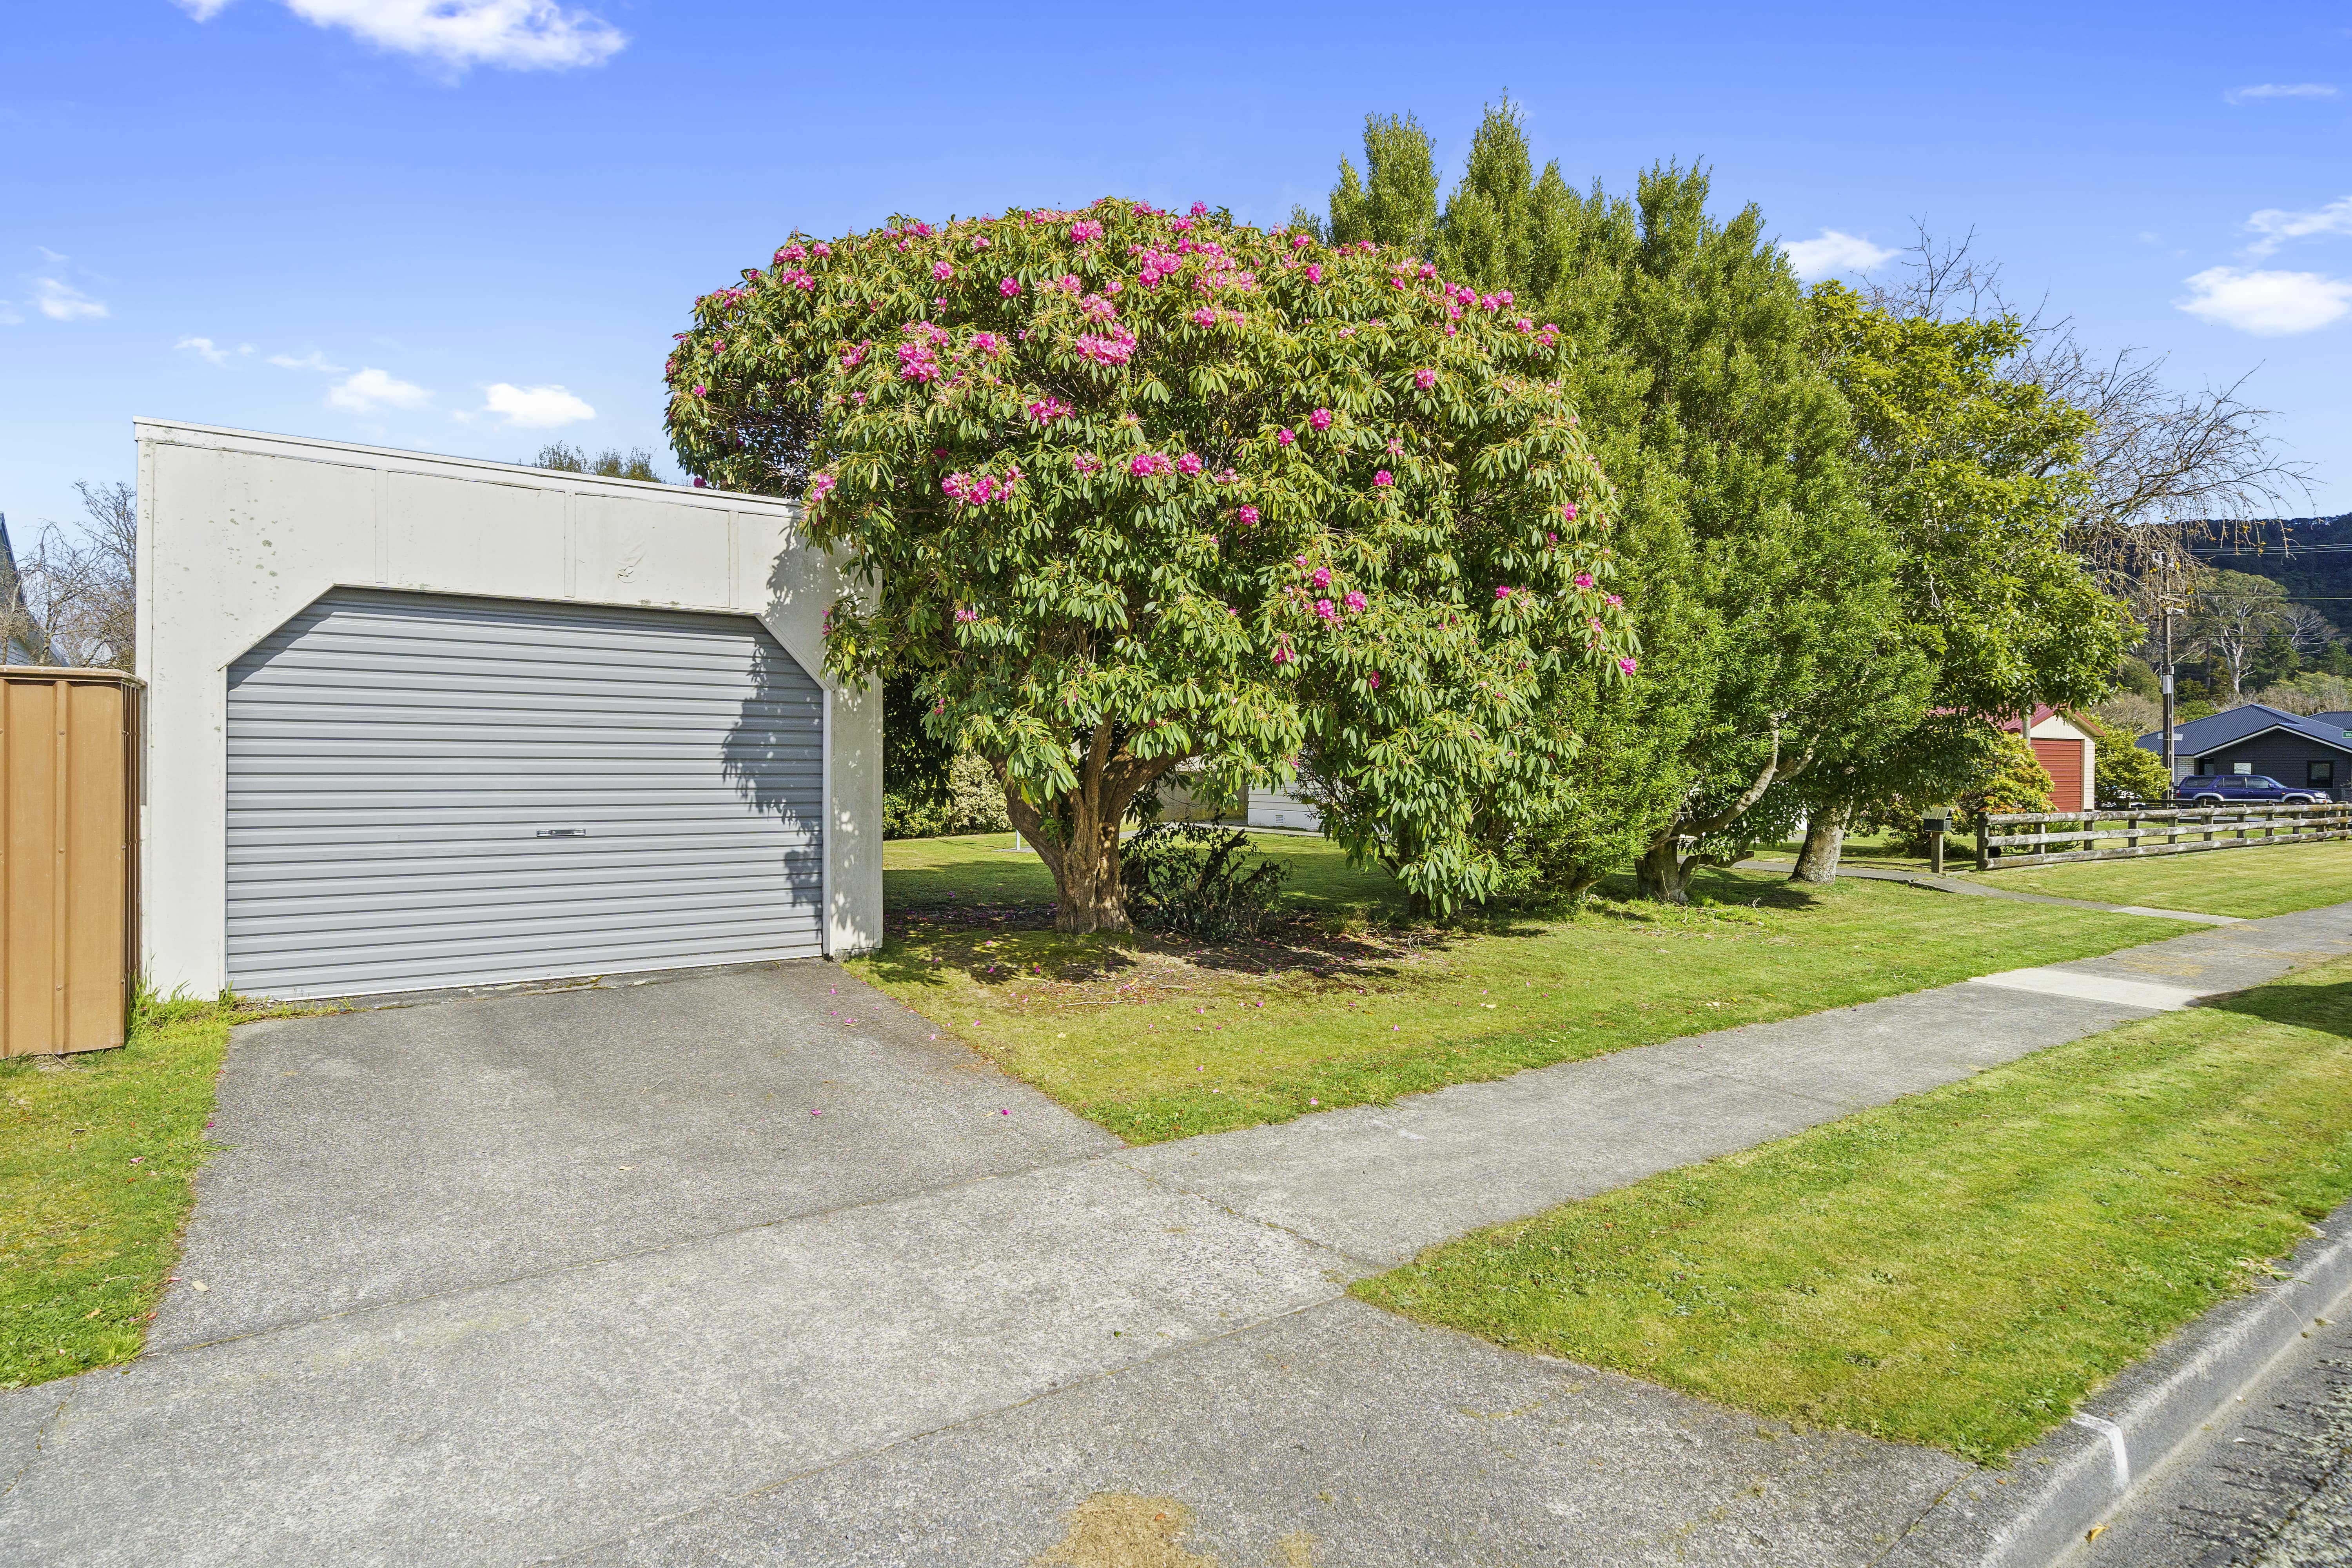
x=68, y=857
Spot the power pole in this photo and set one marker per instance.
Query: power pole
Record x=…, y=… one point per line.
x=2164, y=615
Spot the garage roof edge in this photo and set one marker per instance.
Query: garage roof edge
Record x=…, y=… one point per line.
x=227, y=437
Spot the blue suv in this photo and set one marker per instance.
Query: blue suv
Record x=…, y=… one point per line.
x=2218, y=789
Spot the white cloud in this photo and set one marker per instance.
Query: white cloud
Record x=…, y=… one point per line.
x=370, y=389
x=520, y=35
x=206, y=349
x=314, y=360
x=2280, y=89
x=63, y=303
x=534, y=407
x=2276, y=224
x=2267, y=304
x=1835, y=251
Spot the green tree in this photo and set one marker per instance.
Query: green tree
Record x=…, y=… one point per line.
x=2235, y=613
x=1124, y=487
x=1969, y=473
x=611, y=463
x=1395, y=203
x=2125, y=774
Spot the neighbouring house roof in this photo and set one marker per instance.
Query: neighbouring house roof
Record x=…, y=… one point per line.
x=2217, y=732
x=2048, y=723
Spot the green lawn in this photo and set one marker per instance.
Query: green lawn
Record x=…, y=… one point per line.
x=1960, y=1268
x=97, y=1157
x=1155, y=1039
x=2246, y=882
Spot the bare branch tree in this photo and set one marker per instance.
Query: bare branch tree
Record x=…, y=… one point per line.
x=75, y=605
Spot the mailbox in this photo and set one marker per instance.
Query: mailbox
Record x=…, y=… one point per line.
x=1935, y=819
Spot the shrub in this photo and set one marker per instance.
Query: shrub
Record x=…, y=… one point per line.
x=2125, y=775
x=1189, y=877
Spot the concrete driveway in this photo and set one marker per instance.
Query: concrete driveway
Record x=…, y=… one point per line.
x=750, y=1268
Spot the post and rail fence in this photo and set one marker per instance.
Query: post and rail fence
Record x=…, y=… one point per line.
x=2011, y=838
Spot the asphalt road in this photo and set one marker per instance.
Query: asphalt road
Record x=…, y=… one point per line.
x=2268, y=1486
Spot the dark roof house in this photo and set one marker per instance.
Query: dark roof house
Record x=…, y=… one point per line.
x=2300, y=750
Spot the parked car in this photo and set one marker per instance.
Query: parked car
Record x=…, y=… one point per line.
x=2222, y=789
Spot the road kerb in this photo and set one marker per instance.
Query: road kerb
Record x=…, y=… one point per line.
x=2056, y=1492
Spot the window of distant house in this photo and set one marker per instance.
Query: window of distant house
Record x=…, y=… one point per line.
x=2241, y=767
x=2322, y=774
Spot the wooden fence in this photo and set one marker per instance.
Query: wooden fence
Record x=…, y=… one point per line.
x=2046, y=837
x=68, y=848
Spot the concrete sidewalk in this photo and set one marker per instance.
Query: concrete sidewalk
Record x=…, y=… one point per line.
x=929, y=1324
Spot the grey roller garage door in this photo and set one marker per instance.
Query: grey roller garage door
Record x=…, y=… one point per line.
x=428, y=791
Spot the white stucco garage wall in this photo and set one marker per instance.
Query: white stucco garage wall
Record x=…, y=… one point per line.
x=240, y=531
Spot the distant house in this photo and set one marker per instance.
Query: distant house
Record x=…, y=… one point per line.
x=21, y=639
x=2067, y=753
x=2301, y=752
x=1282, y=808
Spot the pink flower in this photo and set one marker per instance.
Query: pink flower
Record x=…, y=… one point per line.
x=1281, y=437
x=1204, y=317
x=1615, y=602
x=1505, y=296
x=979, y=242
x=1315, y=272
x=1383, y=478
x=1584, y=579
x=941, y=271
x=987, y=344
x=1086, y=463
x=1200, y=209
x=1424, y=379
x=1323, y=607
x=700, y=390
x=1067, y=283
x=1299, y=560
x=964, y=617
x=1321, y=419
x=1145, y=465
x=1627, y=666
x=1009, y=288
x=1427, y=270
x=820, y=487
x=820, y=249
x=795, y=252
x=1568, y=512
x=1451, y=329
x=1503, y=591
x=1550, y=538
x=940, y=303
x=1114, y=346
x=1300, y=241
x=1322, y=575
x=1281, y=654
x=1248, y=515
x=1375, y=679
x=1188, y=464
x=1047, y=410
x=1526, y=325
x=1085, y=230
x=1354, y=602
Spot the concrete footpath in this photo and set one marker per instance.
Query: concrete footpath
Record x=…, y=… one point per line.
x=751, y=1269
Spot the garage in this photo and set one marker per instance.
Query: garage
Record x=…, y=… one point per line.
x=427, y=791
x=419, y=722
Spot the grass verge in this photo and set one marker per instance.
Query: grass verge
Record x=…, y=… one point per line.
x=1960, y=1268
x=1155, y=1039
x=98, y=1157
x=2249, y=883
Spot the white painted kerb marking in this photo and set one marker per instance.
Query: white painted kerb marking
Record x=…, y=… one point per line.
x=2093, y=988
x=2116, y=1450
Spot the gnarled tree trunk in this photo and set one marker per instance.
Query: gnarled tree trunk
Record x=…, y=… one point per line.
x=1077, y=834
x=1825, y=841
x=1662, y=874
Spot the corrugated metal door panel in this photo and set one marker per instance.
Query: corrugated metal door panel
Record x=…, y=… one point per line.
x=427, y=791
x=2063, y=760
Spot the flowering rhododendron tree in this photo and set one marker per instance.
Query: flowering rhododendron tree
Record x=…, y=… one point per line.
x=1124, y=488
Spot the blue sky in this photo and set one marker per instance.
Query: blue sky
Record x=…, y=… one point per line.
x=471, y=225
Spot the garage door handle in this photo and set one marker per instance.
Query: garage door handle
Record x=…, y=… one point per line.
x=563, y=832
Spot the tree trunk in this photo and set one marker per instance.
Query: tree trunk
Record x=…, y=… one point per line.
x=1077, y=835
x=1824, y=839
x=1661, y=875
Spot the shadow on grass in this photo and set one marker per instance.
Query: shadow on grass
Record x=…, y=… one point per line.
x=2328, y=1008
